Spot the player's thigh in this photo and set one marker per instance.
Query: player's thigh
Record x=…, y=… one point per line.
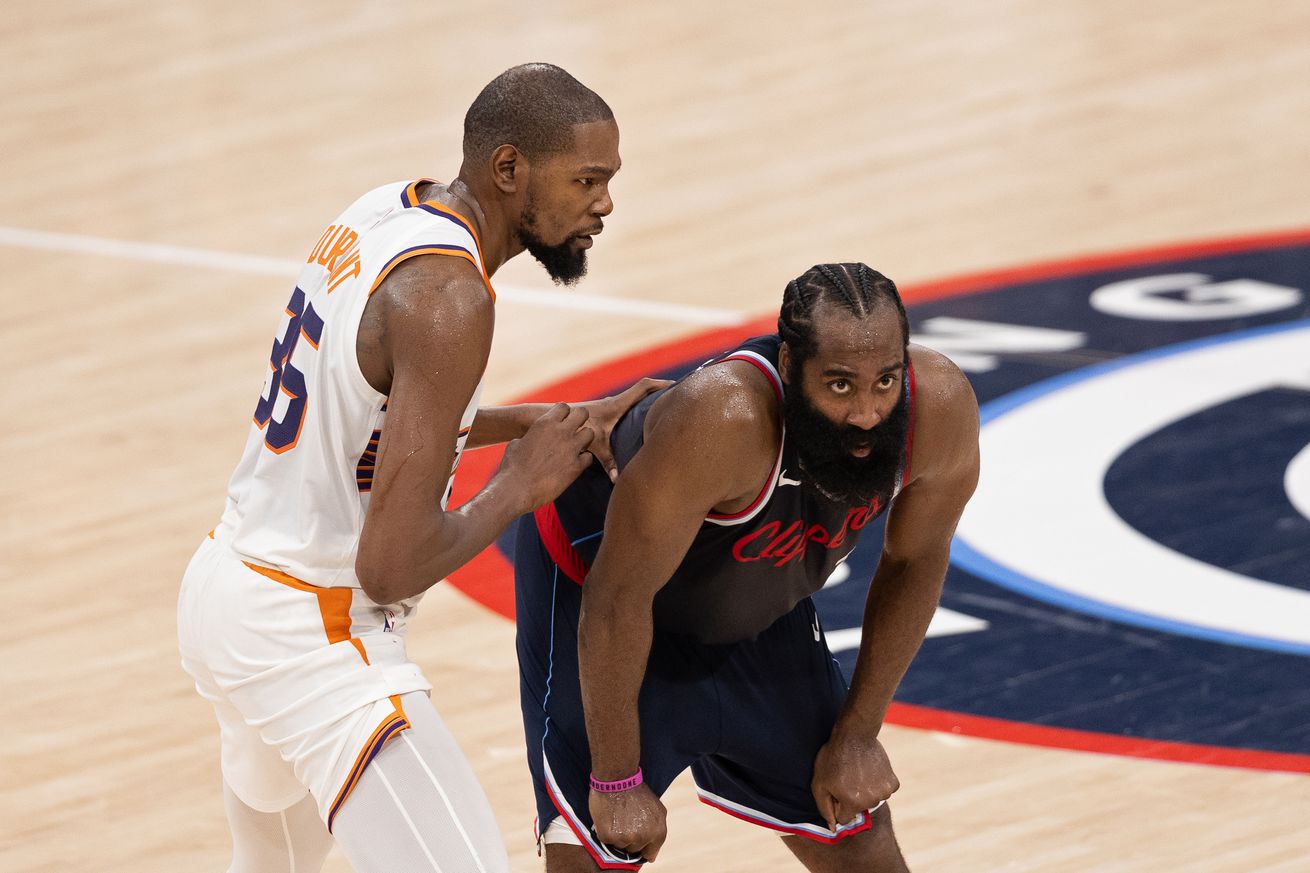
x=418, y=805
x=293, y=840
x=871, y=851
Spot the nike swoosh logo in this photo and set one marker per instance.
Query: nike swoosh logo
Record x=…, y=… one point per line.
x=783, y=480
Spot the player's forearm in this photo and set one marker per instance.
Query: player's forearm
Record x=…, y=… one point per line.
x=396, y=562
x=614, y=639
x=500, y=424
x=899, y=608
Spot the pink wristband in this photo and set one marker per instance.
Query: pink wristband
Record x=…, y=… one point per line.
x=615, y=787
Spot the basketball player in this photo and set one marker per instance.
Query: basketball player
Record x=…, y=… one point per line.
x=293, y=611
x=665, y=621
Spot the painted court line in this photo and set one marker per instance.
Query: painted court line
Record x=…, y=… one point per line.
x=158, y=253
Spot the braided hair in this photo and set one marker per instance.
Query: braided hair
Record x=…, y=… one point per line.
x=857, y=288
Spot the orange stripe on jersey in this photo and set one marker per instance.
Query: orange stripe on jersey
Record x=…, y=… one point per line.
x=460, y=220
x=410, y=197
x=452, y=251
x=333, y=603
x=359, y=645
x=393, y=724
x=334, y=606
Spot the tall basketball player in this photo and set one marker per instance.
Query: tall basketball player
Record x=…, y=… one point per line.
x=293, y=611
x=664, y=622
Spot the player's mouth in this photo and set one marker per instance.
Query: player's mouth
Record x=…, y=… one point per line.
x=861, y=450
x=583, y=241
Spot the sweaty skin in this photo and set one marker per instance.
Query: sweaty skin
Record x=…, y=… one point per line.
x=709, y=445
x=423, y=341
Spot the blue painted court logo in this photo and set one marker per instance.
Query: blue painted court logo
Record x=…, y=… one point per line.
x=1133, y=572
x=1136, y=560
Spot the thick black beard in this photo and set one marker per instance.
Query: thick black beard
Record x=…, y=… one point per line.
x=824, y=451
x=564, y=264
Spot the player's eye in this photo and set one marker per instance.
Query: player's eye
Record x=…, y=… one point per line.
x=840, y=386
x=586, y=182
x=887, y=381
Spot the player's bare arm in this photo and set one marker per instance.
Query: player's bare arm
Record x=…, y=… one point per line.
x=423, y=342
x=852, y=772
x=709, y=444
x=499, y=424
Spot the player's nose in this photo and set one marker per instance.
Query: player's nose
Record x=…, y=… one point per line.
x=864, y=413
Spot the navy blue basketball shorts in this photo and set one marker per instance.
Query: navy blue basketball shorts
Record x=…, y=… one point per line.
x=748, y=718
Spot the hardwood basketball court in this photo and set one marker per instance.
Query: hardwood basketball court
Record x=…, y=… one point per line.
x=166, y=167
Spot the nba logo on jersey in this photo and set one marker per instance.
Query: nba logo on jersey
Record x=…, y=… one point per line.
x=388, y=621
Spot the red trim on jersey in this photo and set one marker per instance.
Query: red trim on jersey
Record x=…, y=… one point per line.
x=909, y=434
x=557, y=544
x=584, y=839
x=488, y=578
x=754, y=361
x=793, y=831
x=773, y=476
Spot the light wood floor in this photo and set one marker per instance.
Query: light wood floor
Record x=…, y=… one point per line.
x=927, y=138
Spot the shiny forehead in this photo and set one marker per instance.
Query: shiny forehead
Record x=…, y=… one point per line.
x=874, y=340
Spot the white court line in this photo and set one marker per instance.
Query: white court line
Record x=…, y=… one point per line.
x=158, y=253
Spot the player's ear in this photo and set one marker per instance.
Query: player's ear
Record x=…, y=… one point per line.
x=784, y=362
x=509, y=169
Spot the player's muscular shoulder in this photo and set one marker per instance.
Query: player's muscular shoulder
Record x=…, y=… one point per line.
x=725, y=421
x=946, y=415
x=426, y=305
x=724, y=400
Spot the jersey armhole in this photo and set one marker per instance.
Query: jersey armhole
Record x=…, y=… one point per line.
x=903, y=476
x=431, y=249
x=766, y=367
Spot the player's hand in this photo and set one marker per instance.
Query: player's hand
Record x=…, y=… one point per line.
x=606, y=412
x=851, y=775
x=553, y=452
x=632, y=821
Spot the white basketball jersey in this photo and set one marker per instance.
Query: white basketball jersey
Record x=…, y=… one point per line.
x=297, y=500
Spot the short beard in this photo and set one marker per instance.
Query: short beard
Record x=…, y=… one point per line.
x=564, y=264
x=824, y=451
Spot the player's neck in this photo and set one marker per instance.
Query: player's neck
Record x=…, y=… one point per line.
x=466, y=203
x=460, y=198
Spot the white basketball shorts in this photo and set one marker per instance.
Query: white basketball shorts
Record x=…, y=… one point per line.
x=305, y=681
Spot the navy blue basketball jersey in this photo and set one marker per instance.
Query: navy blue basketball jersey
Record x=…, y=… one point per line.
x=745, y=570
